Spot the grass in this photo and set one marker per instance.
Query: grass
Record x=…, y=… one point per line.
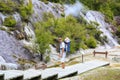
x=73, y=62
x=104, y=73
x=115, y=65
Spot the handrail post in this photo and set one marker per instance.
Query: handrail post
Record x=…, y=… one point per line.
x=82, y=58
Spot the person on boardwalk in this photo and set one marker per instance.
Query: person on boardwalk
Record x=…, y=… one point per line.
x=62, y=53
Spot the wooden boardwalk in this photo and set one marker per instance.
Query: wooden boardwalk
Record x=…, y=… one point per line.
x=51, y=73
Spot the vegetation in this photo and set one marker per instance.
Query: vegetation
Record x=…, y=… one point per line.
x=59, y=1
x=91, y=42
x=9, y=22
x=103, y=74
x=8, y=6
x=43, y=39
x=112, y=5
x=109, y=7
x=81, y=34
x=26, y=10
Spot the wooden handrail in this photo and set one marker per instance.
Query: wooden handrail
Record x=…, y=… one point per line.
x=106, y=53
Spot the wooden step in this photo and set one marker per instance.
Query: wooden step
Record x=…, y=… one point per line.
x=12, y=75
x=1, y=76
x=32, y=74
x=49, y=74
x=84, y=67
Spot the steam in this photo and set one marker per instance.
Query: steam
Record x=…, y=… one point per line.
x=78, y=9
x=74, y=9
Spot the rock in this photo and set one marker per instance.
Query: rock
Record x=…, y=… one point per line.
x=2, y=59
x=8, y=66
x=40, y=66
x=9, y=46
x=27, y=65
x=116, y=59
x=17, y=17
x=29, y=32
x=19, y=35
x=2, y=17
x=40, y=8
x=117, y=19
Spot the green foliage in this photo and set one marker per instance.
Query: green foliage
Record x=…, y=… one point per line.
x=59, y=1
x=102, y=74
x=63, y=14
x=26, y=10
x=45, y=1
x=47, y=16
x=115, y=7
x=47, y=58
x=105, y=9
x=72, y=28
x=9, y=21
x=93, y=4
x=52, y=28
x=91, y=42
x=109, y=7
x=8, y=6
x=43, y=38
x=118, y=32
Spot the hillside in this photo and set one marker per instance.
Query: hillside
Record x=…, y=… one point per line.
x=28, y=27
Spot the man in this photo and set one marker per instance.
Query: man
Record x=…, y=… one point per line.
x=62, y=54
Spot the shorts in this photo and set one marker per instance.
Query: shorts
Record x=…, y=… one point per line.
x=63, y=57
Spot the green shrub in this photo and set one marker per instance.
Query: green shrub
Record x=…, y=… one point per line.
x=63, y=14
x=52, y=28
x=8, y=6
x=2, y=28
x=65, y=27
x=47, y=16
x=105, y=9
x=94, y=31
x=47, y=58
x=59, y=1
x=9, y=22
x=118, y=31
x=43, y=38
x=45, y=1
x=26, y=10
x=91, y=42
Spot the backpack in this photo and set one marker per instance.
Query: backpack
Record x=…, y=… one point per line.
x=67, y=47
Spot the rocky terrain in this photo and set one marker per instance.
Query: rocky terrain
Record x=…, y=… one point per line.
x=17, y=44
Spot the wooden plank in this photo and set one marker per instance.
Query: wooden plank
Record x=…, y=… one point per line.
x=57, y=73
x=106, y=53
x=67, y=72
x=49, y=74
x=32, y=74
x=52, y=73
x=83, y=67
x=12, y=75
x=1, y=76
